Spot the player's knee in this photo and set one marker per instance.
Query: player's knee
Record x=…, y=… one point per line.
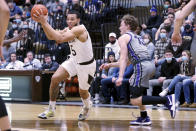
x=55, y=79
x=83, y=92
x=134, y=102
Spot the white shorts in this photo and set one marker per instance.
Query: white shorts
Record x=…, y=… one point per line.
x=85, y=73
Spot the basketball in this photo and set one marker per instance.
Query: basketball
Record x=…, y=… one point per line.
x=36, y=8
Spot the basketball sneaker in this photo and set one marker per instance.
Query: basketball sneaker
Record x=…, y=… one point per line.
x=164, y=92
x=85, y=112
x=171, y=105
x=142, y=121
x=47, y=113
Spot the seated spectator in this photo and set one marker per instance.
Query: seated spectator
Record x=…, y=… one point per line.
x=188, y=33
x=14, y=63
x=171, y=17
x=167, y=3
x=112, y=46
x=95, y=86
x=178, y=48
x=30, y=62
x=169, y=69
x=119, y=93
x=56, y=7
x=153, y=23
x=187, y=69
x=148, y=42
x=187, y=85
x=139, y=31
x=9, y=46
x=49, y=64
x=14, y=9
x=161, y=45
x=167, y=25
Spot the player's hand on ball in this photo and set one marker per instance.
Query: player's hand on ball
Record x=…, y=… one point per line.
x=39, y=17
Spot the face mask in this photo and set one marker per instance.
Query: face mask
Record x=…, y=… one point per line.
x=163, y=35
x=187, y=27
x=168, y=60
x=184, y=58
x=18, y=21
x=25, y=27
x=14, y=26
x=146, y=41
x=166, y=6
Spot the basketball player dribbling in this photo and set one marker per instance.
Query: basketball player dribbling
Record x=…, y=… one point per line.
x=80, y=63
x=4, y=19
x=133, y=50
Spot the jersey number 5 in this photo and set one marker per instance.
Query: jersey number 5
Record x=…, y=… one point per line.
x=73, y=52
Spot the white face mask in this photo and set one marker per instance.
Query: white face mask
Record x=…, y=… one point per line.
x=146, y=41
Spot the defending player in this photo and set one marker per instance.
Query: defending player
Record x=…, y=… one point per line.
x=132, y=49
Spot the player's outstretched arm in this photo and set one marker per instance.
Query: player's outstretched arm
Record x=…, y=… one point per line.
x=176, y=38
x=4, y=19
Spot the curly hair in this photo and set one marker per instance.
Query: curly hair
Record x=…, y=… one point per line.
x=131, y=21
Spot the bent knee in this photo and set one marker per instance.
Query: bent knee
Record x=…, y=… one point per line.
x=134, y=101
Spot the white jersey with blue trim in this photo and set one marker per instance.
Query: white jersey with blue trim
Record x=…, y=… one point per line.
x=81, y=51
x=137, y=49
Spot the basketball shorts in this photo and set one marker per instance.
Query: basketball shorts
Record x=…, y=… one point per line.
x=85, y=73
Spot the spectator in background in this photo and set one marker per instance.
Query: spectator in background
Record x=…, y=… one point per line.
x=178, y=48
x=60, y=52
x=49, y=64
x=56, y=7
x=187, y=69
x=139, y=31
x=161, y=45
x=187, y=85
x=148, y=42
x=14, y=9
x=14, y=63
x=75, y=5
x=30, y=62
x=168, y=27
x=169, y=69
x=188, y=33
x=171, y=10
x=9, y=46
x=95, y=86
x=153, y=23
x=112, y=46
x=167, y=3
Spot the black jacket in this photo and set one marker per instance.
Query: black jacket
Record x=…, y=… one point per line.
x=169, y=70
x=52, y=67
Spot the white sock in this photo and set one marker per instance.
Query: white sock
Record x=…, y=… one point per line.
x=97, y=96
x=52, y=105
x=86, y=102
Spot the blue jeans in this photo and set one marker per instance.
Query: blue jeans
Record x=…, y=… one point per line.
x=175, y=80
x=186, y=87
x=178, y=88
x=108, y=89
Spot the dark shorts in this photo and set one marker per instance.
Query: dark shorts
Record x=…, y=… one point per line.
x=136, y=92
x=3, y=111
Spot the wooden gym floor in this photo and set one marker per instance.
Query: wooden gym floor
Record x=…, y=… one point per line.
x=24, y=118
